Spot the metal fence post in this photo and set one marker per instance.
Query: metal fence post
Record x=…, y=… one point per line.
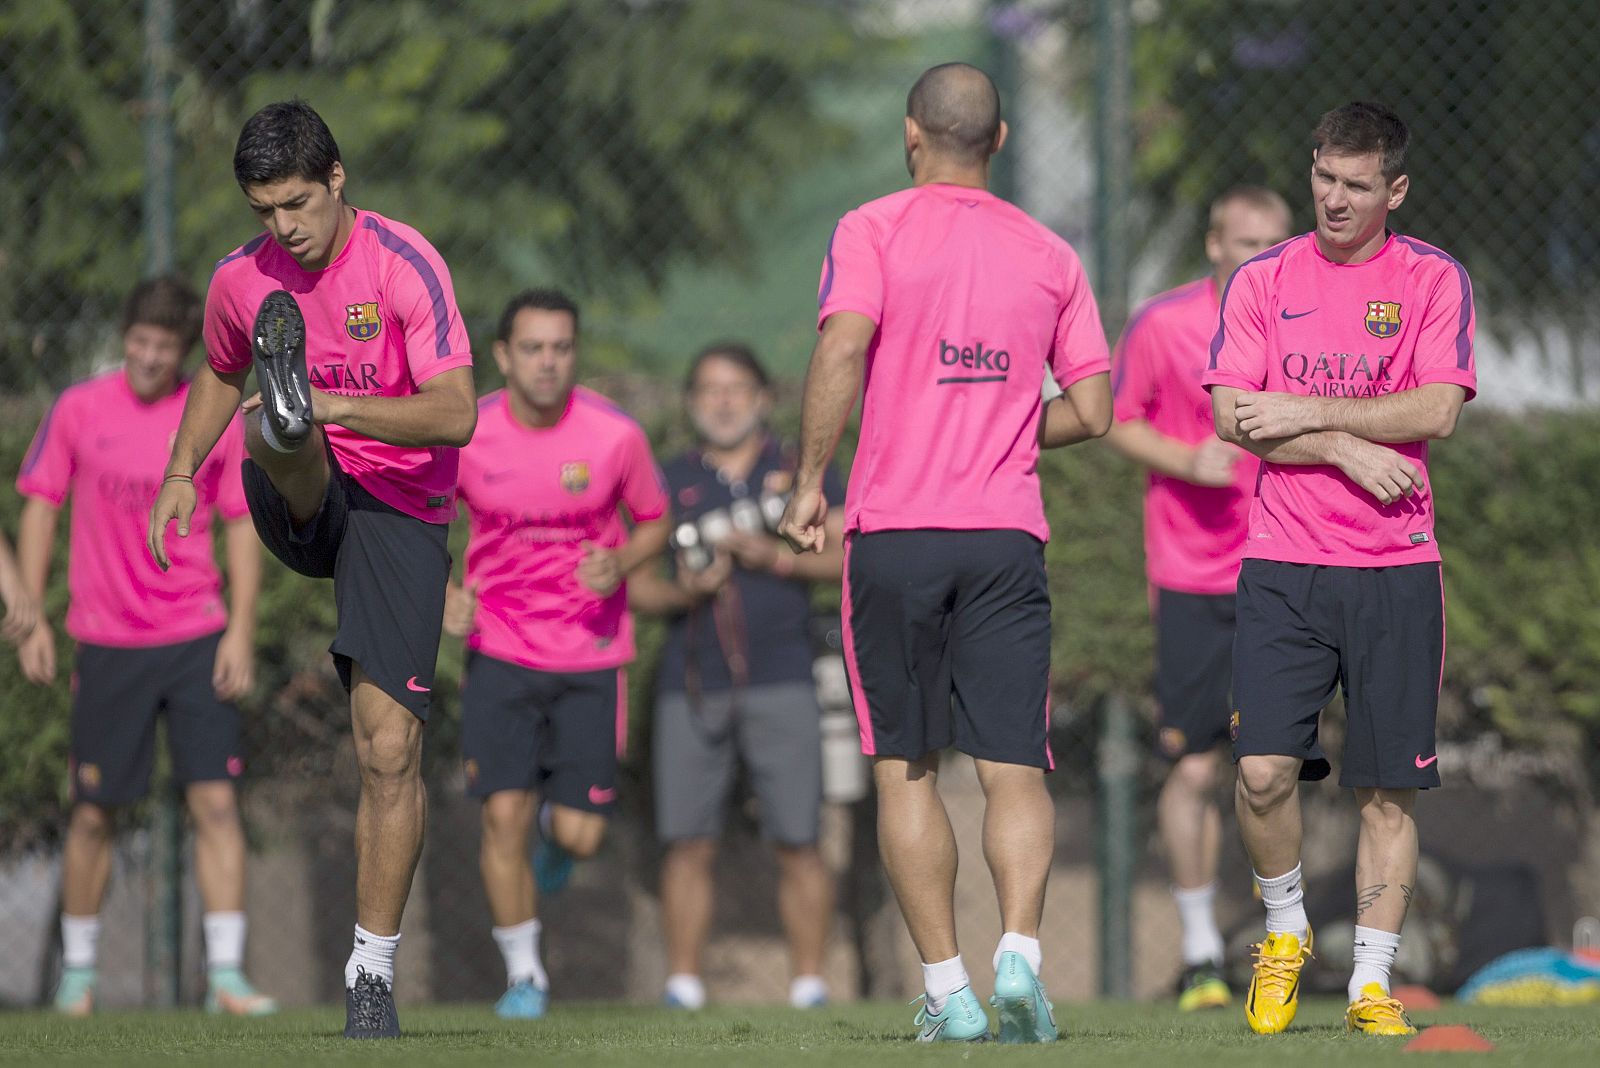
x=1116, y=821
x=164, y=915
x=1113, y=132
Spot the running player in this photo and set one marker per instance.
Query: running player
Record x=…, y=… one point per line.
x=366, y=395
x=1195, y=511
x=951, y=302
x=545, y=612
x=1341, y=353
x=149, y=641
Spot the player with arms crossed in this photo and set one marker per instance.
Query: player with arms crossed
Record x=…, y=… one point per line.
x=952, y=302
x=545, y=612
x=366, y=395
x=1340, y=354
x=149, y=641
x=1195, y=512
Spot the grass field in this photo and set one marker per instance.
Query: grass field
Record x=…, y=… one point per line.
x=874, y=1034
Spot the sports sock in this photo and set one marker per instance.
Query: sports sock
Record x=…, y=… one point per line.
x=519, y=945
x=224, y=939
x=80, y=936
x=271, y=438
x=687, y=990
x=1197, y=914
x=1284, y=895
x=1011, y=942
x=943, y=978
x=1374, y=954
x=373, y=952
x=807, y=990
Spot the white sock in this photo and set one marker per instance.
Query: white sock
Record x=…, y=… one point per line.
x=807, y=990
x=1011, y=942
x=271, y=438
x=79, y=937
x=1202, y=941
x=519, y=945
x=1284, y=895
x=224, y=939
x=943, y=978
x=687, y=990
x=1374, y=953
x=373, y=952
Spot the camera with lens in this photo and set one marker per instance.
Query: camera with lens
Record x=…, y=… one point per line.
x=696, y=540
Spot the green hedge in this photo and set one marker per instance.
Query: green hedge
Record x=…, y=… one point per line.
x=1519, y=503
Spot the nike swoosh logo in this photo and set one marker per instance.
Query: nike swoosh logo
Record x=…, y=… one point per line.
x=1424, y=763
x=598, y=796
x=1285, y=313
x=411, y=684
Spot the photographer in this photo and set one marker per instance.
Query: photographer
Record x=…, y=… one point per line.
x=735, y=678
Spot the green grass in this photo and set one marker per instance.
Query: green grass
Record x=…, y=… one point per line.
x=873, y=1034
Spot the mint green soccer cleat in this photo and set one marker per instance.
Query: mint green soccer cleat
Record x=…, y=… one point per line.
x=961, y=1020
x=1026, y=1015
x=229, y=993
x=522, y=1001
x=75, y=995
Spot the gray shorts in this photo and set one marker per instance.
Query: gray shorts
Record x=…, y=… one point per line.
x=776, y=730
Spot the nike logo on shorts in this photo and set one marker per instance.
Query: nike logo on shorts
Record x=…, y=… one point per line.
x=598, y=796
x=414, y=687
x=1424, y=763
x=1284, y=313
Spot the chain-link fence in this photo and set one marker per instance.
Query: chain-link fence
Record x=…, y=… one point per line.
x=678, y=164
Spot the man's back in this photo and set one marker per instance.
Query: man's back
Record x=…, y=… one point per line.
x=972, y=299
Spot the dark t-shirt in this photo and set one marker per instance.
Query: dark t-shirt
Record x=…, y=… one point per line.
x=760, y=617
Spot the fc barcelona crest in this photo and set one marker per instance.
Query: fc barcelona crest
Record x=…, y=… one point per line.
x=1383, y=318
x=575, y=476
x=361, y=320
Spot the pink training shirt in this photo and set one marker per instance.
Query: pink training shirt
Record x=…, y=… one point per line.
x=973, y=298
x=107, y=449
x=1194, y=536
x=1293, y=321
x=381, y=320
x=533, y=497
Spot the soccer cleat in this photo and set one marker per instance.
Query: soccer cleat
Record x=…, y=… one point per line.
x=522, y=1001
x=369, y=1008
x=1275, y=987
x=1375, y=1012
x=961, y=1020
x=552, y=867
x=1026, y=1015
x=230, y=993
x=1201, y=986
x=279, y=348
x=75, y=993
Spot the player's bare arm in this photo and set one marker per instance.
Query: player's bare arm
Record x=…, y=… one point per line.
x=651, y=592
x=22, y=611
x=1082, y=412
x=234, y=673
x=763, y=552
x=443, y=412
x=213, y=398
x=1427, y=412
x=1379, y=470
x=603, y=570
x=832, y=382
x=36, y=536
x=1209, y=463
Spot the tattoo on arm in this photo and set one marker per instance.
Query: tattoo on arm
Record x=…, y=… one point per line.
x=1406, y=890
x=1368, y=896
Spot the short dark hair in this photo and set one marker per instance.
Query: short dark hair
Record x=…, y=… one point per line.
x=1362, y=127
x=735, y=352
x=1254, y=196
x=536, y=299
x=957, y=107
x=287, y=139
x=167, y=302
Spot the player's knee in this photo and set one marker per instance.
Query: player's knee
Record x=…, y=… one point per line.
x=391, y=757
x=507, y=814
x=1265, y=783
x=91, y=821
x=1195, y=773
x=692, y=852
x=799, y=860
x=1386, y=812
x=213, y=810
x=579, y=833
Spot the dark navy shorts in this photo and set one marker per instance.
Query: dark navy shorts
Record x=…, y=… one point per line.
x=947, y=641
x=1376, y=633
x=389, y=571
x=1194, y=671
x=557, y=733
x=117, y=694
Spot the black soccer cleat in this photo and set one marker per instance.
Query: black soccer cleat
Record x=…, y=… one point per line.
x=369, y=1008
x=278, y=345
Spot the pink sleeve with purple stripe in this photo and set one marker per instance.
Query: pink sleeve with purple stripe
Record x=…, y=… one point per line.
x=421, y=294
x=1239, y=350
x=1134, y=382
x=48, y=467
x=644, y=487
x=1444, y=351
x=852, y=272
x=1079, y=349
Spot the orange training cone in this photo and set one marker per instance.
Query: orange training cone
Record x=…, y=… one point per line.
x=1449, y=1038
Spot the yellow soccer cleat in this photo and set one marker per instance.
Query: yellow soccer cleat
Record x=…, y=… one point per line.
x=1275, y=987
x=1376, y=1012
x=1202, y=987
